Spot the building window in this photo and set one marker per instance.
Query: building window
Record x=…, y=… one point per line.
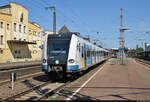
x=34, y=33
x=1, y=51
x=29, y=32
x=19, y=52
x=1, y=25
x=14, y=38
x=1, y=39
x=39, y=34
x=34, y=45
x=15, y=51
x=34, y=51
x=21, y=18
x=24, y=29
x=20, y=28
x=7, y=26
x=15, y=27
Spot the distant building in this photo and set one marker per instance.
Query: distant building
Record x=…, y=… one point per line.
x=48, y=32
x=63, y=29
x=147, y=46
x=19, y=38
x=114, y=52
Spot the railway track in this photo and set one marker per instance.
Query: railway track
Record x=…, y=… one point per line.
x=6, y=68
x=143, y=62
x=39, y=92
x=44, y=90
x=21, y=78
x=5, y=74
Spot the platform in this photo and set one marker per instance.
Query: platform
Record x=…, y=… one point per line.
x=117, y=82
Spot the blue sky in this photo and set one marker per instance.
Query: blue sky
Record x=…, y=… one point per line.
x=91, y=16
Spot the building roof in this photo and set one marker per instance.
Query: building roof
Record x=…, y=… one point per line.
x=63, y=29
x=35, y=24
x=5, y=6
x=18, y=4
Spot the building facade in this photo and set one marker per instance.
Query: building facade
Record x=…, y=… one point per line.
x=19, y=38
x=147, y=46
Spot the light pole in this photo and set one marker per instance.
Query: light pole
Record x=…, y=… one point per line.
x=54, y=17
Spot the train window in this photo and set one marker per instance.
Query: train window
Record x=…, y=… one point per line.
x=88, y=53
x=79, y=47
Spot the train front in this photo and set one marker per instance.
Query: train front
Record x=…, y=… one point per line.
x=56, y=54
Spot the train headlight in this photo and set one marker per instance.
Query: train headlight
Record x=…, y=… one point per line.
x=71, y=61
x=44, y=60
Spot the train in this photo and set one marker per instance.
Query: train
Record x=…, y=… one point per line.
x=68, y=54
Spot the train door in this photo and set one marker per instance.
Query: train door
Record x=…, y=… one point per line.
x=82, y=55
x=78, y=54
x=88, y=57
x=95, y=56
x=85, y=55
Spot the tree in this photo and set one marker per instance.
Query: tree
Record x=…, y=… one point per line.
x=139, y=50
x=134, y=52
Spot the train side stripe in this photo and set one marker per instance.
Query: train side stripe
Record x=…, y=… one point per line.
x=74, y=67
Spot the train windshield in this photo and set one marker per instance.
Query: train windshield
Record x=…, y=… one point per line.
x=58, y=45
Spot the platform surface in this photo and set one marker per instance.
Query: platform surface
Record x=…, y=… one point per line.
x=118, y=82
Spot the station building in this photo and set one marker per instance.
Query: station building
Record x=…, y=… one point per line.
x=19, y=38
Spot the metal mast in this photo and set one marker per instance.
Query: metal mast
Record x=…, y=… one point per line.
x=121, y=37
x=54, y=18
x=121, y=31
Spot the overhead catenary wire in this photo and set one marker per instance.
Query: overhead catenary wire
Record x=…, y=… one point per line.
x=77, y=25
x=134, y=38
x=77, y=16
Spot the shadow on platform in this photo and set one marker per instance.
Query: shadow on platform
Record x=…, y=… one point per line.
x=117, y=88
x=78, y=96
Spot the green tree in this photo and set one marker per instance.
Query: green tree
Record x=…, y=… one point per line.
x=132, y=53
x=139, y=50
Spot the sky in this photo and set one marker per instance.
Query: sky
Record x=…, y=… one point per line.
x=91, y=16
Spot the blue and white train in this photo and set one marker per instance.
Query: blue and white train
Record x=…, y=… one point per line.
x=69, y=53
